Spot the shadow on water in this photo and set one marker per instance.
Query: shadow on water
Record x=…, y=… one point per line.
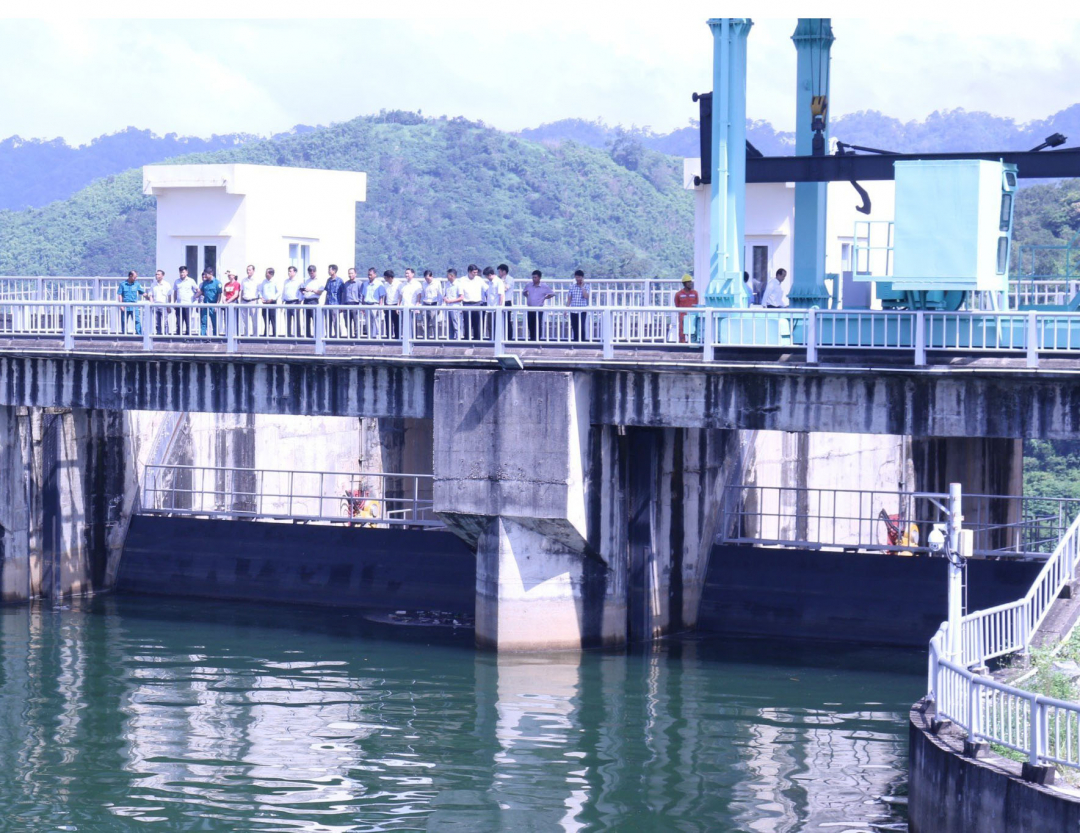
x=141, y=714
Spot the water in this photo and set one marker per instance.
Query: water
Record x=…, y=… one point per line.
x=136, y=714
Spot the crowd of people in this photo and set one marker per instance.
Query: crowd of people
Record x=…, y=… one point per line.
x=379, y=302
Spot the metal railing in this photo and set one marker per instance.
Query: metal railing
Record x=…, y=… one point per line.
x=360, y=498
x=889, y=521
x=691, y=332
x=1047, y=730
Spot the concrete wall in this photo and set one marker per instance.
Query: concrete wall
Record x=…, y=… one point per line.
x=898, y=401
x=951, y=793
x=14, y=512
x=372, y=569
x=868, y=598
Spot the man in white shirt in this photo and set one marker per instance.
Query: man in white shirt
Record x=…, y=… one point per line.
x=249, y=295
x=451, y=294
x=185, y=292
x=773, y=297
x=269, y=292
x=311, y=292
x=290, y=297
x=160, y=295
x=410, y=297
x=508, y=283
x=393, y=299
x=472, y=295
x=430, y=296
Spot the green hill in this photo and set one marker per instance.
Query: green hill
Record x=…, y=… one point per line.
x=441, y=192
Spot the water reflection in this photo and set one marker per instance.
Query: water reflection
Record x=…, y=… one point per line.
x=135, y=715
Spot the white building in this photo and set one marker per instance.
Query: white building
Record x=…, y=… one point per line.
x=770, y=228
x=227, y=216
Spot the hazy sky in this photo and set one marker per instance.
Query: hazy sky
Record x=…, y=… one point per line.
x=79, y=79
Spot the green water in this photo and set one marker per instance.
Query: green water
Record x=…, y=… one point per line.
x=136, y=714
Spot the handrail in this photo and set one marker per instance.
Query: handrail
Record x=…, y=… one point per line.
x=365, y=498
x=1047, y=730
x=692, y=332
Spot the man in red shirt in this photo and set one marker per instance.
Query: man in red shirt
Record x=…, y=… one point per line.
x=685, y=297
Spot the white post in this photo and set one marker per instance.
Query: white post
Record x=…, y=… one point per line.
x=1035, y=736
x=232, y=324
x=920, y=338
x=1032, y=340
x=320, y=331
x=605, y=333
x=811, y=336
x=708, y=350
x=142, y=312
x=69, y=327
x=407, y=331
x=498, y=329
x=956, y=576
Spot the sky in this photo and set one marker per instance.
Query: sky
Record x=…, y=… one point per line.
x=77, y=79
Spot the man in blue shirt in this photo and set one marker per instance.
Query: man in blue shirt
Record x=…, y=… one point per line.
x=209, y=293
x=129, y=292
x=333, y=288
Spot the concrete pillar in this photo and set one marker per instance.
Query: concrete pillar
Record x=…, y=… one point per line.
x=982, y=466
x=65, y=500
x=586, y=535
x=14, y=512
x=511, y=453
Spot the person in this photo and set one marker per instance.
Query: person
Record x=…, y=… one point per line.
x=130, y=292
x=249, y=297
x=351, y=293
x=184, y=293
x=393, y=299
x=508, y=283
x=430, y=296
x=773, y=297
x=374, y=295
x=311, y=292
x=472, y=295
x=290, y=297
x=494, y=296
x=231, y=290
x=160, y=295
x=333, y=288
x=578, y=297
x=536, y=295
x=209, y=293
x=269, y=292
x=410, y=297
x=752, y=296
x=452, y=297
x=686, y=297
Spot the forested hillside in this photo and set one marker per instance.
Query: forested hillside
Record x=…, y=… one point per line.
x=440, y=192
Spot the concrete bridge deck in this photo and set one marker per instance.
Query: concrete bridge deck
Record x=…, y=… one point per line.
x=978, y=397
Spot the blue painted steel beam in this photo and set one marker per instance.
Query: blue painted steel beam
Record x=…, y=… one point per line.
x=727, y=218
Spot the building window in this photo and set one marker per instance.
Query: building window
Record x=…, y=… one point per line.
x=845, y=257
x=210, y=258
x=191, y=260
x=300, y=256
x=759, y=270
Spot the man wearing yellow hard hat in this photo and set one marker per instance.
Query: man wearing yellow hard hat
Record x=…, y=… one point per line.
x=686, y=297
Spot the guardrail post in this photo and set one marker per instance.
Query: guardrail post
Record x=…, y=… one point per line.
x=407, y=331
x=708, y=349
x=145, y=319
x=920, y=339
x=320, y=331
x=69, y=327
x=1035, y=738
x=811, y=336
x=974, y=726
x=1032, y=340
x=232, y=326
x=498, y=329
x=606, y=336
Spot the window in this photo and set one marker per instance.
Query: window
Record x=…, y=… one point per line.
x=191, y=260
x=210, y=258
x=1006, y=212
x=300, y=256
x=760, y=265
x=1003, y=255
x=845, y=257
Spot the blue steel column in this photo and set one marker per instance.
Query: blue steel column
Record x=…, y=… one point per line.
x=727, y=218
x=813, y=40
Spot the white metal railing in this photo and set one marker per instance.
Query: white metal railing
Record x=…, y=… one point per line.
x=696, y=331
x=363, y=498
x=889, y=521
x=1047, y=730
